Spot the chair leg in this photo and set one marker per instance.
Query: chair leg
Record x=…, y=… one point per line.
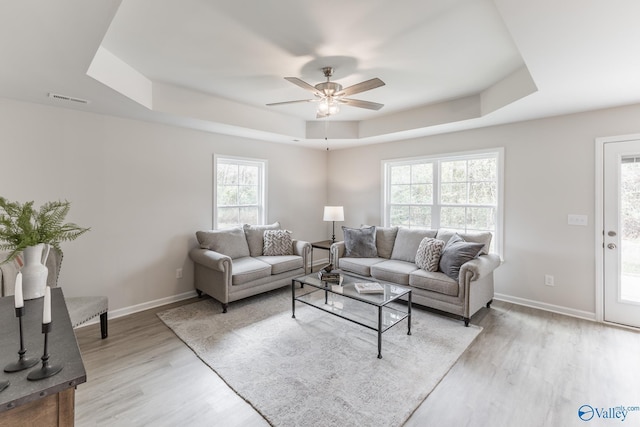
x=224, y=307
x=103, y=325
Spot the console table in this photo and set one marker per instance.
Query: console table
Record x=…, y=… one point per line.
x=51, y=401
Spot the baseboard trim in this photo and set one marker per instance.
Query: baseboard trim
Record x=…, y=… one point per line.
x=546, y=307
x=142, y=307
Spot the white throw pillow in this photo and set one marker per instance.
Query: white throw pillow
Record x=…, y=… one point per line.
x=428, y=254
x=277, y=242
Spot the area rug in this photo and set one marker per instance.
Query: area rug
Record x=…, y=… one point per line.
x=319, y=369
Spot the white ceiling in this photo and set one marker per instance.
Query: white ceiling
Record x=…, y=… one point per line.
x=213, y=65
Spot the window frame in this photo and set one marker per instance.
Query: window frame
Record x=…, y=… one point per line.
x=262, y=164
x=436, y=159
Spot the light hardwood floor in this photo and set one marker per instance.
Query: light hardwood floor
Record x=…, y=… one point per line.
x=527, y=368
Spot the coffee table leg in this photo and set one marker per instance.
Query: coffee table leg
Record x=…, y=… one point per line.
x=293, y=299
x=409, y=313
x=379, y=332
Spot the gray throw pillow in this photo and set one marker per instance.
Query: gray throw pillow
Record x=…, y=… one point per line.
x=429, y=252
x=230, y=242
x=455, y=253
x=483, y=237
x=255, y=236
x=359, y=242
x=277, y=242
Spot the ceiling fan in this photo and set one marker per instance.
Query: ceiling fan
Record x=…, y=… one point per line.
x=330, y=95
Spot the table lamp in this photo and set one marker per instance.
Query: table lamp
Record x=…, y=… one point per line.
x=333, y=214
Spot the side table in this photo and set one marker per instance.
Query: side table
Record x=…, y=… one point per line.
x=324, y=244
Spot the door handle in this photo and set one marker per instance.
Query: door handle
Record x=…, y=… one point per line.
x=611, y=245
x=611, y=233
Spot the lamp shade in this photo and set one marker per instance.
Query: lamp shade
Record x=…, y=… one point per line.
x=333, y=213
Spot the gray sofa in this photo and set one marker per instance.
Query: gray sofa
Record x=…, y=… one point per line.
x=394, y=260
x=232, y=264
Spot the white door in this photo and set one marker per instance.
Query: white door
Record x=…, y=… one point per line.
x=621, y=219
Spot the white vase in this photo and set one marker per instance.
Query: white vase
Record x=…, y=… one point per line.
x=34, y=272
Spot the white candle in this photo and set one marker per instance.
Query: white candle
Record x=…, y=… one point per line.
x=46, y=311
x=18, y=291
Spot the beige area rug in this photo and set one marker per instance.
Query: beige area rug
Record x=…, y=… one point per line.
x=319, y=369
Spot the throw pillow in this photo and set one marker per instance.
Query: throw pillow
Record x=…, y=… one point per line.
x=483, y=237
x=455, y=253
x=255, y=236
x=230, y=242
x=428, y=255
x=360, y=242
x=277, y=242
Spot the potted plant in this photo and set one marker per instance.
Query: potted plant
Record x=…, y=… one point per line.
x=25, y=229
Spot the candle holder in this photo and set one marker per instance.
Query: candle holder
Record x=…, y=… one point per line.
x=4, y=384
x=46, y=370
x=23, y=362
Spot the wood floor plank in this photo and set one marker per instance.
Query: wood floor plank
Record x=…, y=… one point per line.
x=527, y=368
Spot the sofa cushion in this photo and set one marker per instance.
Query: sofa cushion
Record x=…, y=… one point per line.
x=385, y=238
x=255, y=236
x=230, y=242
x=434, y=281
x=277, y=242
x=282, y=264
x=428, y=255
x=455, y=253
x=360, y=242
x=407, y=242
x=361, y=266
x=393, y=271
x=483, y=237
x=247, y=269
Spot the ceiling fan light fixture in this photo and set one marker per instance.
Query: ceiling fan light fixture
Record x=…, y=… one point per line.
x=328, y=107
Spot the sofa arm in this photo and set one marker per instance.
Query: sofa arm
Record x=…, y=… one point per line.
x=337, y=250
x=303, y=249
x=478, y=267
x=211, y=259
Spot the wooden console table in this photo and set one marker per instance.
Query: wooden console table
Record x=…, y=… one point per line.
x=51, y=401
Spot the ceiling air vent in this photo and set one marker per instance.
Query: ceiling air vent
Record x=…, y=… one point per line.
x=67, y=98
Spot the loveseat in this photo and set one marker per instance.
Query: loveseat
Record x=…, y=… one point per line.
x=244, y=261
x=456, y=278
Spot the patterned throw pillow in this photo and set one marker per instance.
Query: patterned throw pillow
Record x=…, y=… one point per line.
x=428, y=255
x=277, y=242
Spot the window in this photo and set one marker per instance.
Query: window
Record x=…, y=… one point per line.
x=459, y=191
x=239, y=191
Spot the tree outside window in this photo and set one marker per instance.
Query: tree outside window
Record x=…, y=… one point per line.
x=240, y=192
x=459, y=192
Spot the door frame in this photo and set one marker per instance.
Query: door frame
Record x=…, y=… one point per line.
x=599, y=218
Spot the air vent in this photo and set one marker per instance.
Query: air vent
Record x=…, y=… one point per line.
x=67, y=98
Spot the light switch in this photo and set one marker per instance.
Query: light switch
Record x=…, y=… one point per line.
x=577, y=219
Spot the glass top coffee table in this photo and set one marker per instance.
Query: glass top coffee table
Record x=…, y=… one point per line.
x=373, y=311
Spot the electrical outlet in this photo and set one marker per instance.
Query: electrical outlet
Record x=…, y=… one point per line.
x=548, y=280
x=178, y=273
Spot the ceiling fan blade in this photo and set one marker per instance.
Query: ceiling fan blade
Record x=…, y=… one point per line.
x=304, y=85
x=361, y=87
x=292, y=102
x=362, y=104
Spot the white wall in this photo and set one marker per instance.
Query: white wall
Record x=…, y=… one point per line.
x=144, y=189
x=549, y=173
